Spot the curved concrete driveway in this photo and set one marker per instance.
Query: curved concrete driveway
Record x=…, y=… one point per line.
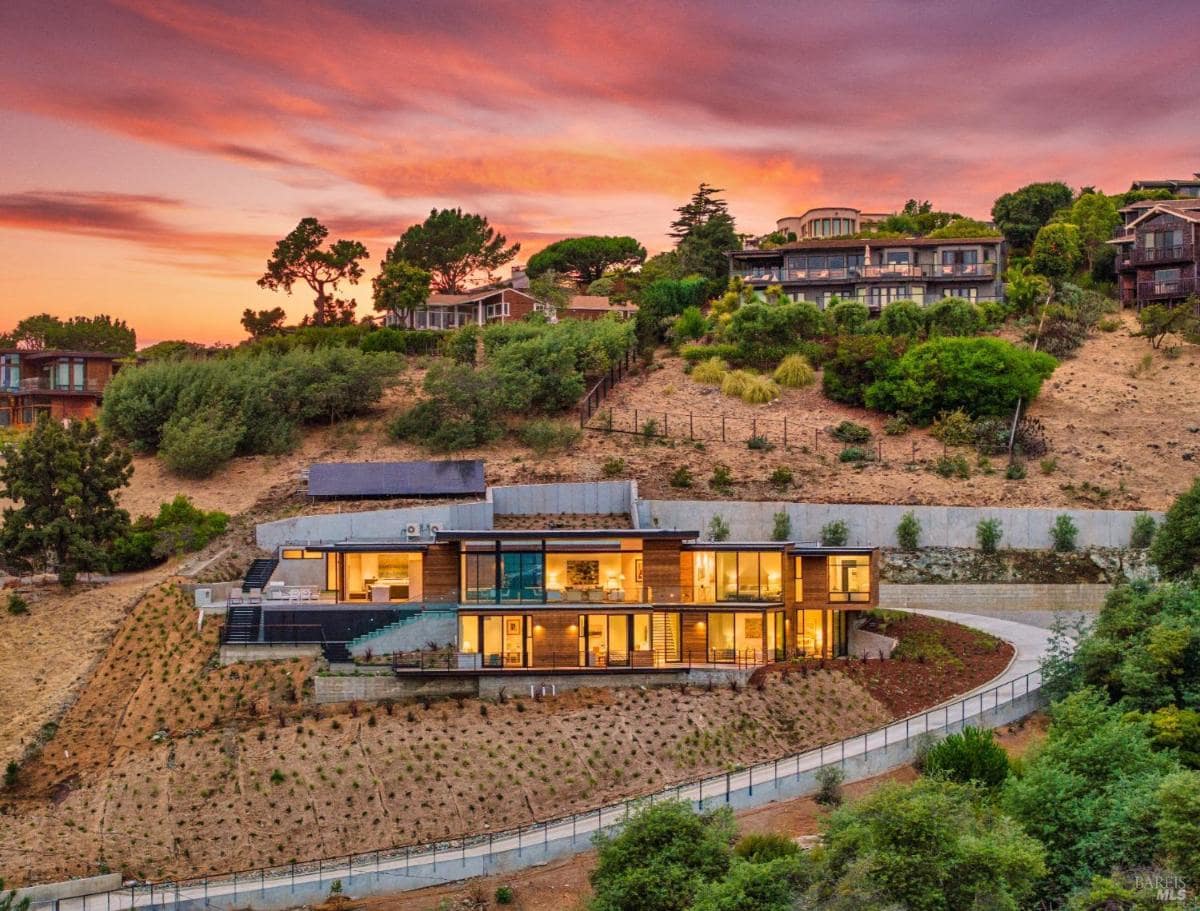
x=1010, y=696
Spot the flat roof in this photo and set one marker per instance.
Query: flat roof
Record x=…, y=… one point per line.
x=410, y=547
x=520, y=534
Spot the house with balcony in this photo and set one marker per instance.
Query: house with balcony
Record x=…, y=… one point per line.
x=1181, y=186
x=59, y=384
x=878, y=271
x=475, y=308
x=1156, y=252
x=584, y=599
x=829, y=221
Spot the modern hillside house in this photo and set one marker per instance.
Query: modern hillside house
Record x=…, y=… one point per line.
x=878, y=271
x=1157, y=247
x=595, y=599
x=60, y=384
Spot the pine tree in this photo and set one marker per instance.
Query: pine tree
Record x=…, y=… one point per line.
x=62, y=480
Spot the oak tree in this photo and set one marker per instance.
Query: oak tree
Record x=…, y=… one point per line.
x=585, y=259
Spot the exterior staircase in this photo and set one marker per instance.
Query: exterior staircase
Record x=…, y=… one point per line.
x=406, y=634
x=259, y=574
x=242, y=624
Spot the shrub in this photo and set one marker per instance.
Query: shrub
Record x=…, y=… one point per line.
x=988, y=533
x=735, y=382
x=277, y=777
x=690, y=324
x=721, y=478
x=17, y=605
x=1142, y=533
x=1063, y=533
x=196, y=445
x=835, y=533
x=462, y=344
x=681, y=477
x=765, y=333
x=953, y=467
x=896, y=426
x=759, y=390
x=953, y=316
x=954, y=428
x=902, y=318
x=982, y=376
x=848, y=316
x=850, y=432
x=12, y=772
x=794, y=372
x=759, y=443
x=402, y=341
x=1176, y=546
x=781, y=529
x=1109, y=324
x=856, y=454
x=781, y=478
x=764, y=847
x=544, y=436
x=857, y=362
x=694, y=354
x=718, y=529
x=1015, y=471
x=463, y=410
x=504, y=895
x=908, y=531
x=971, y=755
x=613, y=467
x=1048, y=466
x=711, y=371
x=829, y=786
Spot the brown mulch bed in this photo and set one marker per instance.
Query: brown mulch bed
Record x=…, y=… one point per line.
x=936, y=660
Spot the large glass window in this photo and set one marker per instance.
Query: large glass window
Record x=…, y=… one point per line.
x=737, y=636
x=521, y=576
x=810, y=632
x=850, y=578
x=741, y=575
x=642, y=641
x=721, y=637
x=382, y=577
x=609, y=576
x=479, y=577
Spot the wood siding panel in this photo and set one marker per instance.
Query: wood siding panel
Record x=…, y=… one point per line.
x=695, y=639
x=661, y=569
x=556, y=643
x=441, y=570
x=816, y=583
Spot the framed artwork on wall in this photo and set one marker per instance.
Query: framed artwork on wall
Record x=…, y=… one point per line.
x=637, y=569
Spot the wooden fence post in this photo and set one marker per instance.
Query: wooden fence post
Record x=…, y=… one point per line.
x=785, y=431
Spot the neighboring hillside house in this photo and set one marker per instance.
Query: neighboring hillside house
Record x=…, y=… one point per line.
x=475, y=308
x=60, y=384
x=829, y=221
x=878, y=271
x=590, y=306
x=1157, y=247
x=1189, y=187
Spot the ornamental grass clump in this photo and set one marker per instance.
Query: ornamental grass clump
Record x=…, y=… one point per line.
x=794, y=372
x=760, y=390
x=735, y=382
x=710, y=372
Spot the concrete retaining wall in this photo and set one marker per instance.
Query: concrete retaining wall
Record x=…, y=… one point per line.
x=371, y=525
x=588, y=497
x=232, y=654
x=72, y=888
x=369, y=688
x=986, y=597
x=873, y=525
x=865, y=642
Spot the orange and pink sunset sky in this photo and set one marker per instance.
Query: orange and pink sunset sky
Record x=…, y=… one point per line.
x=152, y=151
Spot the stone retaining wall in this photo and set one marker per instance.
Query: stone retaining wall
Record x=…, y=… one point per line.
x=987, y=597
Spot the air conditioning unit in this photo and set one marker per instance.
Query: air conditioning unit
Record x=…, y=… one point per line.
x=412, y=530
x=434, y=528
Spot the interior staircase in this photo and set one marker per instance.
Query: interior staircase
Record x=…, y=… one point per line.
x=380, y=635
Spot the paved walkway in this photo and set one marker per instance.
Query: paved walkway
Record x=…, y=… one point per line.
x=1010, y=696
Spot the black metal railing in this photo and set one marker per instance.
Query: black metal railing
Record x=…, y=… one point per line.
x=442, y=661
x=1162, y=290
x=603, y=386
